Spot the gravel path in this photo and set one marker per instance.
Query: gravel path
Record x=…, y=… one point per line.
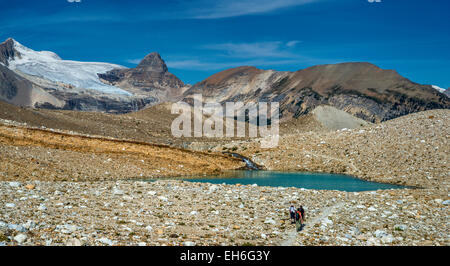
x=293, y=234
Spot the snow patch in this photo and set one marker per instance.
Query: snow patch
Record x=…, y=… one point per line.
x=439, y=89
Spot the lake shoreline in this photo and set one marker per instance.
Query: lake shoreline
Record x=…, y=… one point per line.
x=307, y=180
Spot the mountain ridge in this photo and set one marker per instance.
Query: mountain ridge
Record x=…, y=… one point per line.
x=360, y=88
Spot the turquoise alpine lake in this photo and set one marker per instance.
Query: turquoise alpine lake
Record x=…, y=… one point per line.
x=319, y=181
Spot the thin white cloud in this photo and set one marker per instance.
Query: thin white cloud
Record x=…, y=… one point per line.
x=255, y=53
x=229, y=55
x=252, y=50
x=207, y=9
x=292, y=43
x=134, y=61
x=195, y=9
x=259, y=54
x=195, y=64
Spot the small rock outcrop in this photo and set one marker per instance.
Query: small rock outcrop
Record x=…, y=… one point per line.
x=153, y=63
x=7, y=51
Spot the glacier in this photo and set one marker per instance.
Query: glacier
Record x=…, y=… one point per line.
x=50, y=66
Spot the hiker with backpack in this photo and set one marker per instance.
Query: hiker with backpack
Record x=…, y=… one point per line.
x=302, y=211
x=298, y=220
x=292, y=213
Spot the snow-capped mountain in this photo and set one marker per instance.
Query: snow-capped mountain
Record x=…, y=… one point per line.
x=439, y=89
x=50, y=66
x=42, y=79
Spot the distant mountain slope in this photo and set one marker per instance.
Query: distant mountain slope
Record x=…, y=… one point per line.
x=442, y=90
x=361, y=89
x=336, y=119
x=150, y=125
x=19, y=91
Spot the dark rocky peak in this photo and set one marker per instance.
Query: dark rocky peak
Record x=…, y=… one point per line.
x=153, y=62
x=7, y=51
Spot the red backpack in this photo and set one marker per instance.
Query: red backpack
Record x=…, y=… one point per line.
x=298, y=215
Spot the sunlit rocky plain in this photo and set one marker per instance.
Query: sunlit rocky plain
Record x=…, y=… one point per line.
x=64, y=188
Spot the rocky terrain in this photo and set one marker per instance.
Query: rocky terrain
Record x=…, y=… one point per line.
x=29, y=154
x=50, y=196
x=411, y=150
x=77, y=178
x=361, y=89
x=183, y=213
x=149, y=125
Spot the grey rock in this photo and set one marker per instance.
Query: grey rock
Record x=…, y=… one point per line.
x=20, y=238
x=380, y=233
x=400, y=227
x=30, y=224
x=188, y=244
x=74, y=242
x=17, y=227
x=106, y=241
x=117, y=191
x=14, y=184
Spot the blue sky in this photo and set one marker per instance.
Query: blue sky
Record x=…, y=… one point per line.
x=198, y=38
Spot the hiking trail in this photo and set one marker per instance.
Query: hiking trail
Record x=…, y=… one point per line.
x=292, y=235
